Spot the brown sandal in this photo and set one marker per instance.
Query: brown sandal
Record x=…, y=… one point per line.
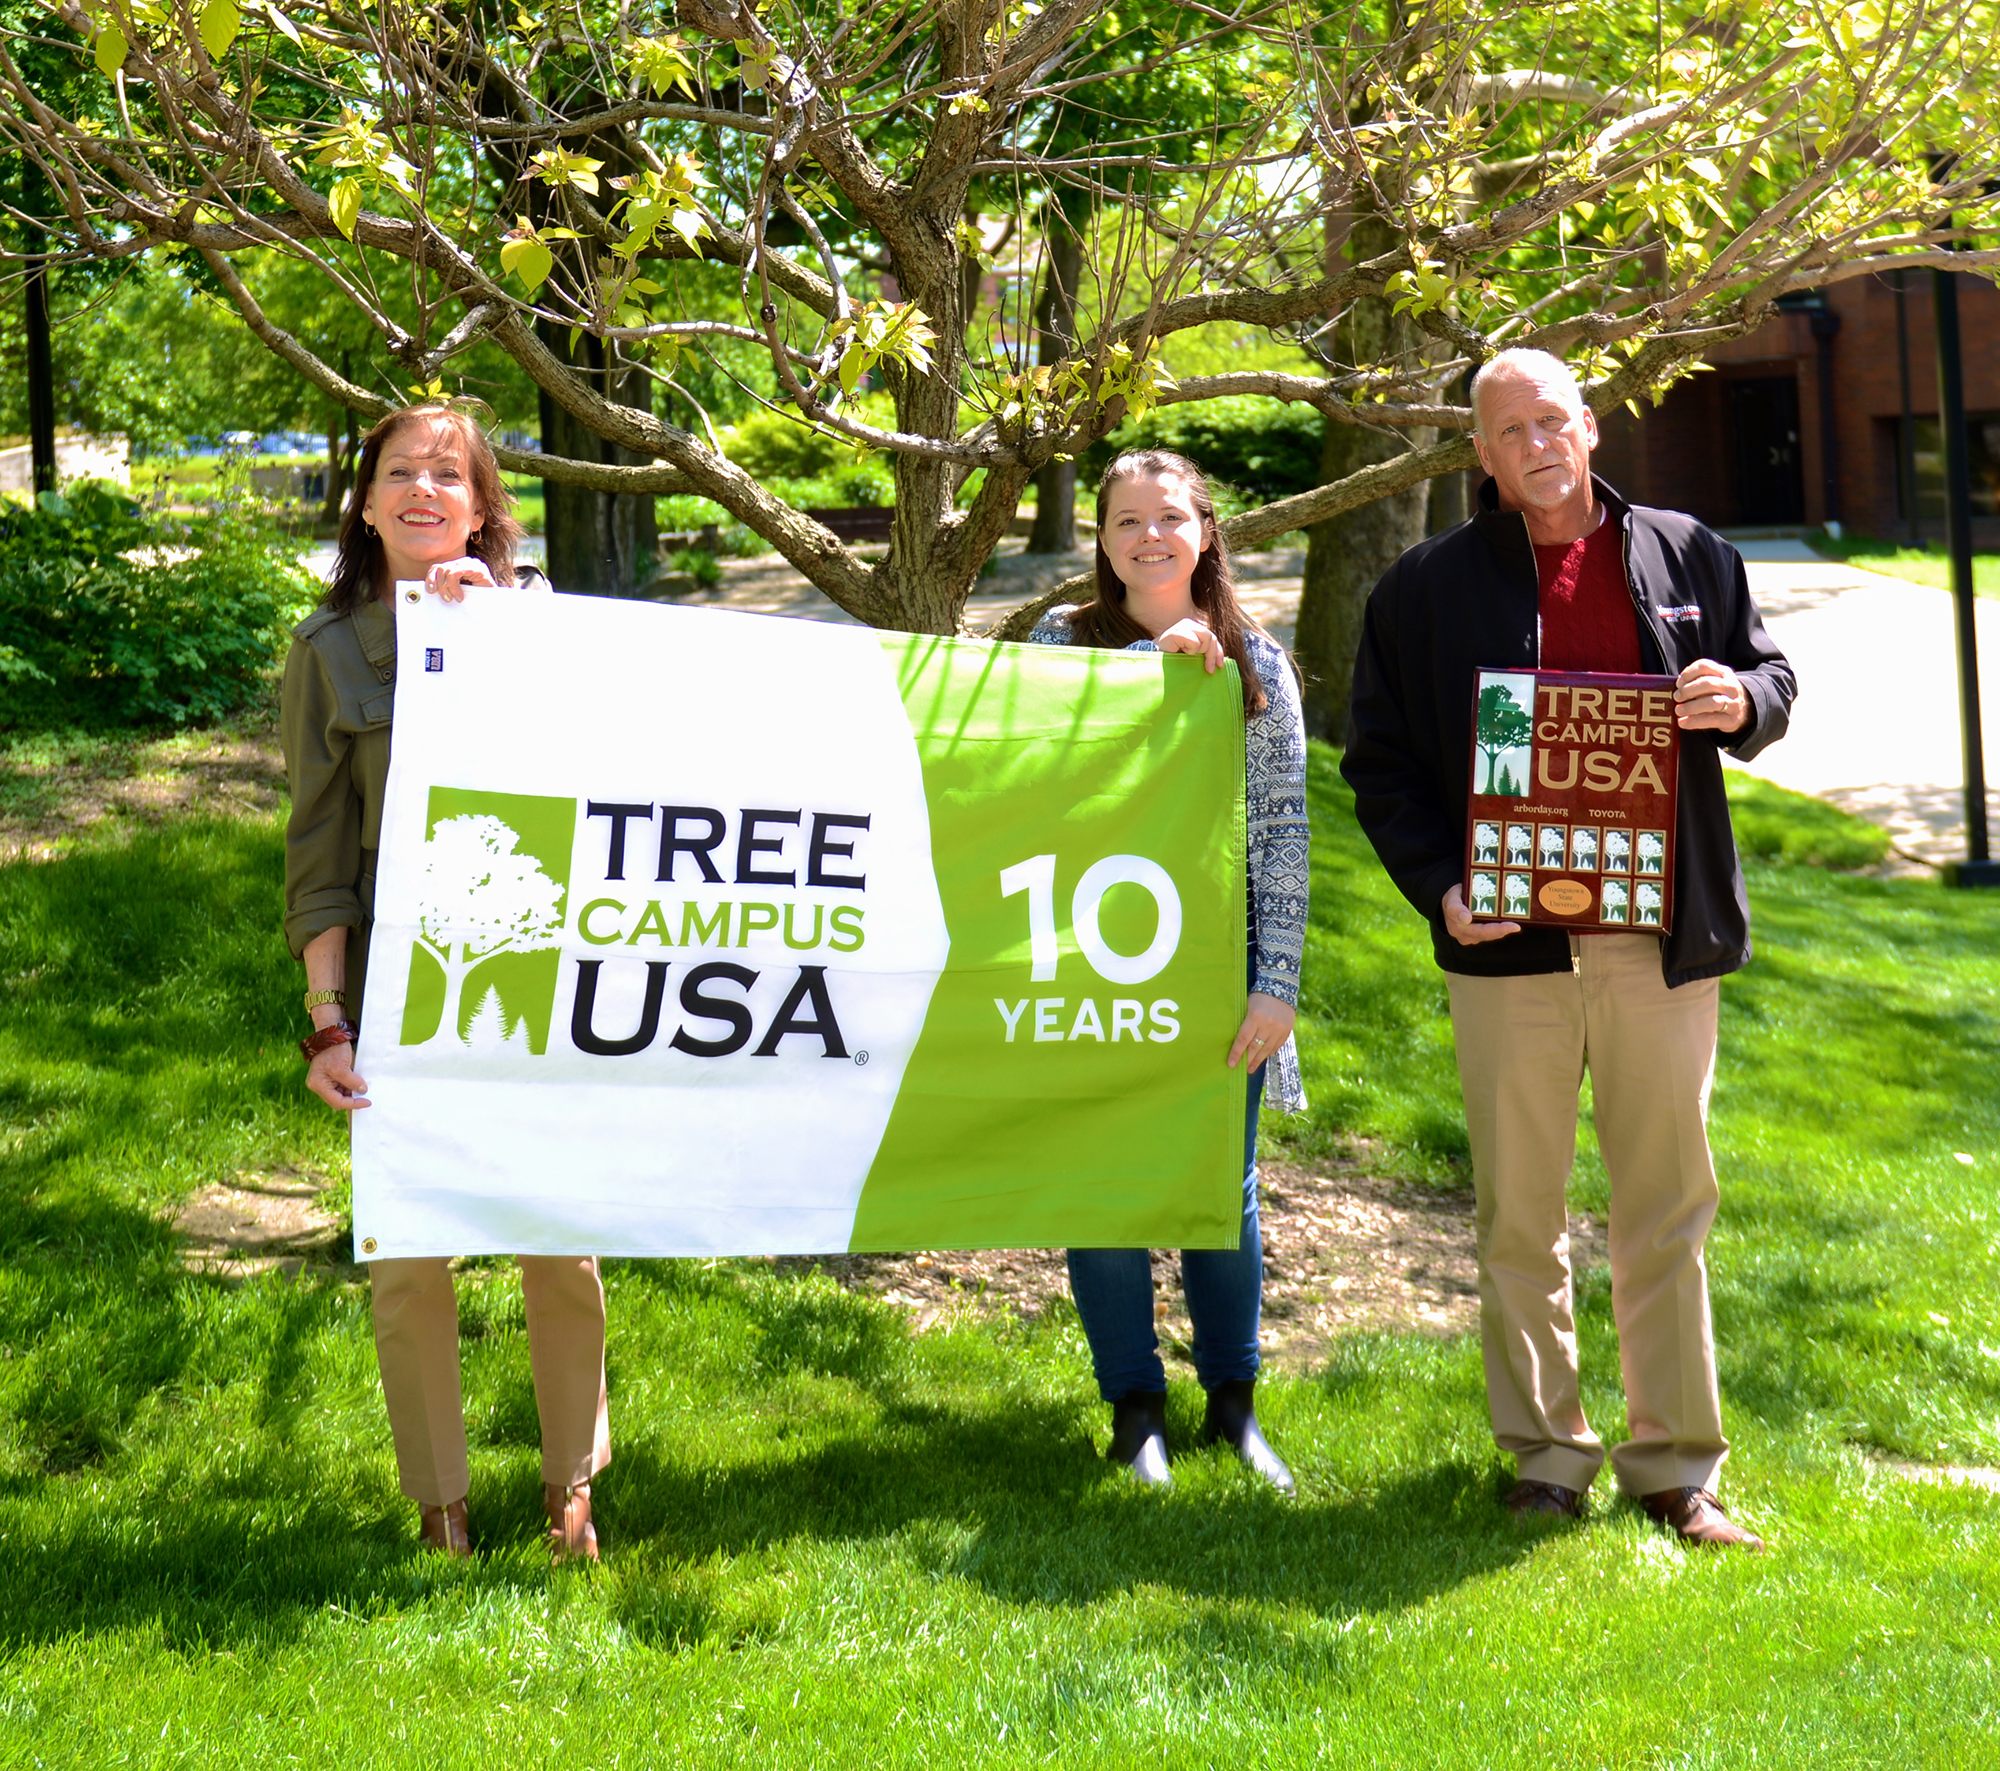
x=445, y=1528
x=571, y=1534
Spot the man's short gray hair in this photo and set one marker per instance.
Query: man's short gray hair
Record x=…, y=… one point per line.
x=1523, y=361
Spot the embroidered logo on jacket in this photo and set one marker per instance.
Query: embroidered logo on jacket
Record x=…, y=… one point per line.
x=1682, y=612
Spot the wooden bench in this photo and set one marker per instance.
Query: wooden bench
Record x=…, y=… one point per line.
x=858, y=522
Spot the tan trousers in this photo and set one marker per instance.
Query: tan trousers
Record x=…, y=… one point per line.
x=416, y=1344
x=1523, y=1047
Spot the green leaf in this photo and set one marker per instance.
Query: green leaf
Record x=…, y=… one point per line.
x=662, y=62
x=220, y=21
x=855, y=362
x=529, y=260
x=343, y=203
x=111, y=49
x=558, y=166
x=688, y=224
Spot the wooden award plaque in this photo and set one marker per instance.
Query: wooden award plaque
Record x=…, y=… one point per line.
x=1571, y=817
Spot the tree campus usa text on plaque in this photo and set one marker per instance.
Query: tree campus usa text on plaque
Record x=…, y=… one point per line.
x=1571, y=815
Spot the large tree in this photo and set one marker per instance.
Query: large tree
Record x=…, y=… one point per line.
x=1622, y=187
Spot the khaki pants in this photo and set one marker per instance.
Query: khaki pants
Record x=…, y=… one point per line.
x=1523, y=1047
x=416, y=1343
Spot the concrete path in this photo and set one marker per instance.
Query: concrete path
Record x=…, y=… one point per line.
x=1875, y=729
x=1876, y=726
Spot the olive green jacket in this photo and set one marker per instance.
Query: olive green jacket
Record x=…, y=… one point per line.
x=340, y=690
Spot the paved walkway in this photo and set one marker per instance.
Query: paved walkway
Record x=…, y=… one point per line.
x=1876, y=726
x=1875, y=730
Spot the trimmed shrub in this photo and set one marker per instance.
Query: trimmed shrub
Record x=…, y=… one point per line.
x=114, y=615
x=1261, y=449
x=775, y=447
x=772, y=447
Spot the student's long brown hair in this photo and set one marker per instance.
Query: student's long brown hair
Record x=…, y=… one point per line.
x=360, y=562
x=1107, y=622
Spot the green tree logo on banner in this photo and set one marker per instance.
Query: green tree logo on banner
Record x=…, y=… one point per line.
x=495, y=880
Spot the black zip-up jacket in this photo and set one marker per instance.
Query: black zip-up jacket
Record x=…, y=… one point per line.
x=1470, y=599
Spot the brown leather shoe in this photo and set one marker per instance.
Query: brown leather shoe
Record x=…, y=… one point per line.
x=445, y=1528
x=1695, y=1516
x=571, y=1534
x=1544, y=1500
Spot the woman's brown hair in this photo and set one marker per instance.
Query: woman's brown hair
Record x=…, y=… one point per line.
x=1107, y=622
x=360, y=561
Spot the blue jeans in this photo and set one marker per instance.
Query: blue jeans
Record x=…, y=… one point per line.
x=1113, y=1288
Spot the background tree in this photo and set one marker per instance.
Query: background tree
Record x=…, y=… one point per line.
x=1626, y=191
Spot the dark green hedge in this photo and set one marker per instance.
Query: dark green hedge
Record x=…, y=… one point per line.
x=113, y=615
x=1263, y=449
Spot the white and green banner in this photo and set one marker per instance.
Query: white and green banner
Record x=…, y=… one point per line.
x=701, y=933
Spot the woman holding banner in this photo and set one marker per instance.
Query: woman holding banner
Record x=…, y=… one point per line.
x=1164, y=581
x=428, y=506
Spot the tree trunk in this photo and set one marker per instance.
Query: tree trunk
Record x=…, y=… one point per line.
x=1055, y=484
x=599, y=543
x=1450, y=502
x=925, y=575
x=1346, y=554
x=341, y=463
x=41, y=380
x=329, y=505
x=458, y=964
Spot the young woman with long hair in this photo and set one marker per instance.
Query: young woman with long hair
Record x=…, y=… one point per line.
x=1164, y=581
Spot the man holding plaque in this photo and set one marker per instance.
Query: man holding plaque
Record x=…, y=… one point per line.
x=1555, y=572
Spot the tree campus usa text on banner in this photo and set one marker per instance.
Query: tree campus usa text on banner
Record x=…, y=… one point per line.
x=701, y=933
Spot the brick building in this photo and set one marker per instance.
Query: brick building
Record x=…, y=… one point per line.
x=1749, y=444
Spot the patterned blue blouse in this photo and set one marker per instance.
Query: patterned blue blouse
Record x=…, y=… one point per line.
x=1274, y=744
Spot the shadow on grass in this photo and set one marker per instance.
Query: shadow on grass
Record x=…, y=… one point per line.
x=1003, y=1491
x=257, y=1557
x=1016, y=1501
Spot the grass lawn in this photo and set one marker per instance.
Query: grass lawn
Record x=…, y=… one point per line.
x=1922, y=565
x=836, y=1542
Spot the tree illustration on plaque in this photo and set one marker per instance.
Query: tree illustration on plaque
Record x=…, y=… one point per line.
x=1504, y=727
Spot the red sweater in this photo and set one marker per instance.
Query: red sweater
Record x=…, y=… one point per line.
x=1588, y=621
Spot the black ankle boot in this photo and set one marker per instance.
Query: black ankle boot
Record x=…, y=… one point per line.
x=1139, y=1436
x=1232, y=1420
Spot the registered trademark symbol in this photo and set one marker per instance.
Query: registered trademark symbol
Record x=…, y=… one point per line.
x=861, y=1057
